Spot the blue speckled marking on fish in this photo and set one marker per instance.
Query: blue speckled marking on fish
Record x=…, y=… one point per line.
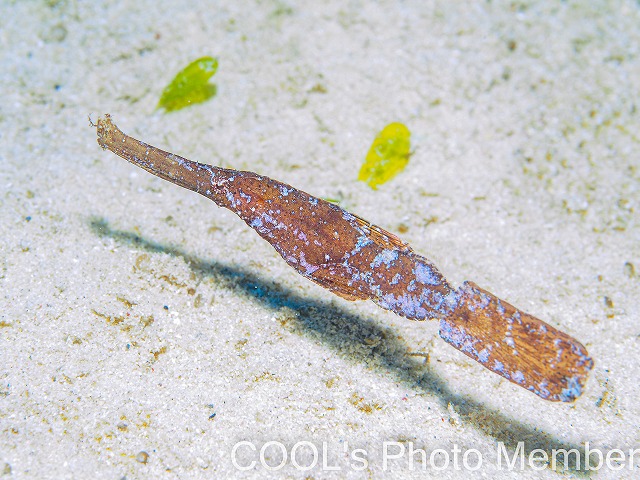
x=457, y=337
x=347, y=216
x=408, y=305
x=543, y=391
x=284, y=190
x=363, y=241
x=231, y=199
x=518, y=377
x=425, y=274
x=386, y=256
x=509, y=341
x=309, y=269
x=179, y=160
x=483, y=356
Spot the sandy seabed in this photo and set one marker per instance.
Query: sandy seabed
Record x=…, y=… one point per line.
x=146, y=333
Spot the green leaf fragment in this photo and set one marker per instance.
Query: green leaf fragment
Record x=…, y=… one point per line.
x=190, y=85
x=388, y=155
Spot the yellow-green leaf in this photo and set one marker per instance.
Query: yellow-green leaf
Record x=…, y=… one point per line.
x=191, y=85
x=388, y=155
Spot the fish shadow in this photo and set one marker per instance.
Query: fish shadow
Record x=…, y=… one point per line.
x=361, y=340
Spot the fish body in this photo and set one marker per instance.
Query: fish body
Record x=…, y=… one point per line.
x=361, y=261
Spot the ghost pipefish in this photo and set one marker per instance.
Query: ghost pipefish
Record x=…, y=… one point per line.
x=360, y=261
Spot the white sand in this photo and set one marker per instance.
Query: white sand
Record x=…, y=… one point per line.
x=525, y=179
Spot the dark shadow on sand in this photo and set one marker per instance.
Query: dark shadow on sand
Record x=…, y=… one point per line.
x=361, y=340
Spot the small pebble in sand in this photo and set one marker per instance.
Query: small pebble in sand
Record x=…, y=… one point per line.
x=142, y=457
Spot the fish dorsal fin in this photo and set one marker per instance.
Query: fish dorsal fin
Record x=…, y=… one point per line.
x=381, y=236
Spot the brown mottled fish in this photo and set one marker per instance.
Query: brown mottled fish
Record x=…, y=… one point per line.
x=360, y=261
